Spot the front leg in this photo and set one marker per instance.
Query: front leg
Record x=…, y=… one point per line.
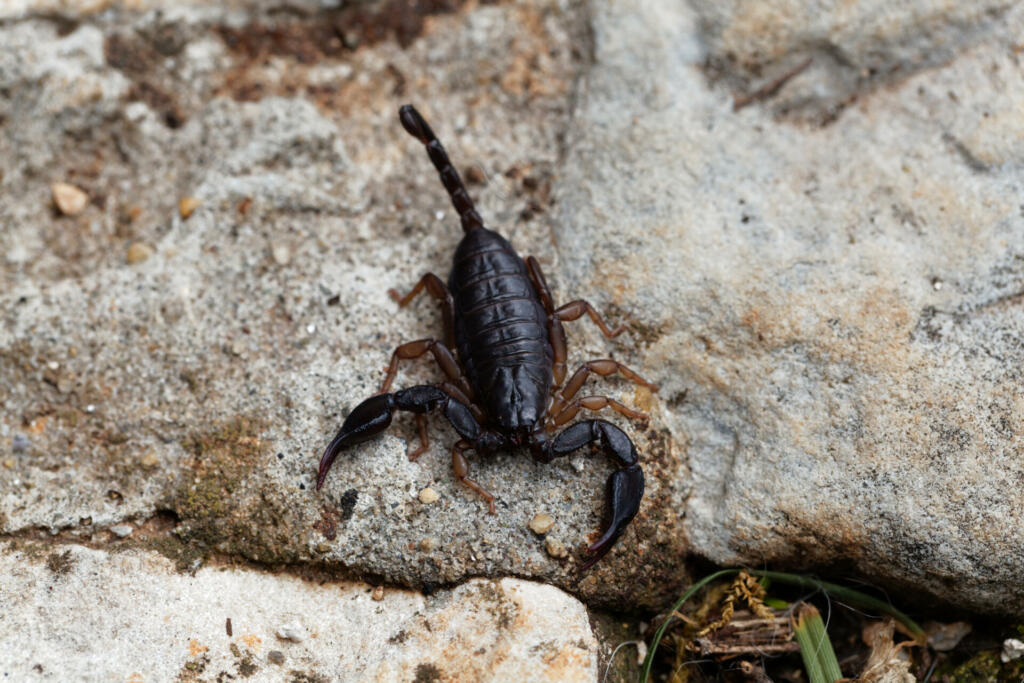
x=461, y=467
x=373, y=416
x=625, y=485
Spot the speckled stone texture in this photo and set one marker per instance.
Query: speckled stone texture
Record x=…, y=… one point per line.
x=188, y=343
x=836, y=306
x=88, y=615
x=823, y=272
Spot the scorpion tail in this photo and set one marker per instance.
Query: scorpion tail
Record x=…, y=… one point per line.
x=419, y=129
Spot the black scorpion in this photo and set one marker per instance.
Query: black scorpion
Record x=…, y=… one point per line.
x=502, y=386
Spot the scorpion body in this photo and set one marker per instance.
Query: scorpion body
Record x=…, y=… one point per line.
x=504, y=387
x=501, y=331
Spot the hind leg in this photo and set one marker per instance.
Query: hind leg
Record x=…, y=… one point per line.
x=556, y=333
x=575, y=309
x=603, y=368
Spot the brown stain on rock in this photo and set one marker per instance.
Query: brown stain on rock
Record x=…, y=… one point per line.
x=60, y=563
x=214, y=502
x=327, y=525
x=333, y=32
x=427, y=672
x=330, y=34
x=141, y=60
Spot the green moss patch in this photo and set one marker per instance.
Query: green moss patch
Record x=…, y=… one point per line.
x=225, y=502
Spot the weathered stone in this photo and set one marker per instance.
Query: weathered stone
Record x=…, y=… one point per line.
x=502, y=630
x=428, y=496
x=122, y=530
x=833, y=312
x=220, y=354
x=842, y=51
x=555, y=547
x=187, y=206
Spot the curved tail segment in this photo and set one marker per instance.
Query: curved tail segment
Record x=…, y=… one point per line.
x=418, y=128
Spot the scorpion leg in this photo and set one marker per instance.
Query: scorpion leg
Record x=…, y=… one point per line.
x=421, y=427
x=460, y=396
x=604, y=368
x=575, y=309
x=556, y=333
x=461, y=467
x=442, y=354
x=437, y=289
x=625, y=485
x=373, y=416
x=594, y=403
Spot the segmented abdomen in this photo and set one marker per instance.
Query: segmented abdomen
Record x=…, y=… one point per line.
x=500, y=329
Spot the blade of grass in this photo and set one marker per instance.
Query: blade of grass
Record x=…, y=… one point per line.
x=815, y=647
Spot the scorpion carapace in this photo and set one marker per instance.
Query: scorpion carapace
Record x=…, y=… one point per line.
x=503, y=356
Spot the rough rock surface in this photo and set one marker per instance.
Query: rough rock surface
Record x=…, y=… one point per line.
x=202, y=382
x=827, y=281
x=838, y=310
x=852, y=47
x=156, y=624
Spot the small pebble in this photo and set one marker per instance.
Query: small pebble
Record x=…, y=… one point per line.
x=428, y=544
x=541, y=523
x=9, y=463
x=945, y=637
x=149, y=460
x=139, y=252
x=1012, y=649
x=69, y=199
x=292, y=632
x=555, y=547
x=275, y=657
x=20, y=443
x=187, y=205
x=281, y=253
x=322, y=547
x=428, y=496
x=122, y=530
x=378, y=593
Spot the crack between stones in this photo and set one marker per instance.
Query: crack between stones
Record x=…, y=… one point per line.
x=39, y=542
